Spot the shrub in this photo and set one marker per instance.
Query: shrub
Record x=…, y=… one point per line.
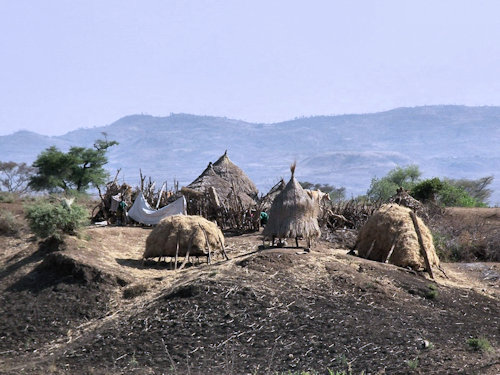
x=479, y=344
x=9, y=224
x=455, y=196
x=135, y=290
x=6, y=197
x=432, y=292
x=412, y=363
x=48, y=219
x=465, y=238
x=444, y=193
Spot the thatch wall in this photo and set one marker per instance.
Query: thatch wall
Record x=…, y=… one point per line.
x=189, y=231
x=392, y=225
x=292, y=214
x=228, y=180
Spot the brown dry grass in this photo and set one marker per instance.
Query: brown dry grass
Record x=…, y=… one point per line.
x=467, y=234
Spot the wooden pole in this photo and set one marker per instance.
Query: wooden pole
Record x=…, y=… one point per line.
x=209, y=258
x=187, y=254
x=370, y=249
x=423, y=249
x=176, y=252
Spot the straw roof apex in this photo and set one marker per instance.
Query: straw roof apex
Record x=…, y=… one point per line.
x=293, y=213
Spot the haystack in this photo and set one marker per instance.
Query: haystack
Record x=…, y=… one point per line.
x=390, y=235
x=292, y=214
x=228, y=180
x=182, y=235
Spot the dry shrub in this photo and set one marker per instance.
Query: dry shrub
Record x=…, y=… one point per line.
x=392, y=226
x=465, y=238
x=135, y=290
x=188, y=231
x=9, y=224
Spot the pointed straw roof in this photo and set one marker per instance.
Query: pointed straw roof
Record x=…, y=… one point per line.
x=223, y=176
x=293, y=213
x=267, y=200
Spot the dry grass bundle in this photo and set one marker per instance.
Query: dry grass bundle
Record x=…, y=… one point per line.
x=181, y=235
x=390, y=235
x=293, y=214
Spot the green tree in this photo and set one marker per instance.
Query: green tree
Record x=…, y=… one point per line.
x=385, y=187
x=75, y=170
x=477, y=189
x=444, y=193
x=427, y=190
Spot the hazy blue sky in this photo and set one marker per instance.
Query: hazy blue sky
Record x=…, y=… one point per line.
x=69, y=64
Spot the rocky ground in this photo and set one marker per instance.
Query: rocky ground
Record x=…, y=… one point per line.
x=91, y=306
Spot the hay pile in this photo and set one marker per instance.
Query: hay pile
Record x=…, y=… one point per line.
x=293, y=214
x=182, y=235
x=391, y=227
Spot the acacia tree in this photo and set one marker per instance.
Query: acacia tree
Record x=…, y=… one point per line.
x=14, y=177
x=385, y=187
x=75, y=170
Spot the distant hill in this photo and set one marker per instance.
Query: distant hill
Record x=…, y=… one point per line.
x=346, y=150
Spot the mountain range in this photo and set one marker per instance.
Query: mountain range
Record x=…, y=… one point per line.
x=342, y=150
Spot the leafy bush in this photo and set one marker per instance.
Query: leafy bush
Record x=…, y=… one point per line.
x=479, y=344
x=453, y=196
x=48, y=219
x=444, y=193
x=9, y=224
x=385, y=187
x=427, y=190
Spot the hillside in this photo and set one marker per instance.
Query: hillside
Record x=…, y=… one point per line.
x=94, y=307
x=345, y=150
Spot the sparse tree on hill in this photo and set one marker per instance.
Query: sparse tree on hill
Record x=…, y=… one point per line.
x=477, y=189
x=77, y=169
x=336, y=194
x=14, y=177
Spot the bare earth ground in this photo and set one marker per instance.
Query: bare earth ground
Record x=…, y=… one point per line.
x=94, y=308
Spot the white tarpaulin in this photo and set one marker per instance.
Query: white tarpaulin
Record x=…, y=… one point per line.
x=142, y=212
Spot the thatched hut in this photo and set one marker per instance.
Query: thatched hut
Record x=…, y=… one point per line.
x=181, y=235
x=229, y=182
x=267, y=200
x=390, y=235
x=292, y=214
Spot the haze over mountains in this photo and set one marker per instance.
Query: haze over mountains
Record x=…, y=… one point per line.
x=345, y=150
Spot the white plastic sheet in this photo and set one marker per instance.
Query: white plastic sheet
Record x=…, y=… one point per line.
x=142, y=212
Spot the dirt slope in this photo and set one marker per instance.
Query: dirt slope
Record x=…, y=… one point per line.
x=93, y=307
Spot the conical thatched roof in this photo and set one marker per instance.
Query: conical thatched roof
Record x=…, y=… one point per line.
x=292, y=214
x=226, y=178
x=267, y=200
